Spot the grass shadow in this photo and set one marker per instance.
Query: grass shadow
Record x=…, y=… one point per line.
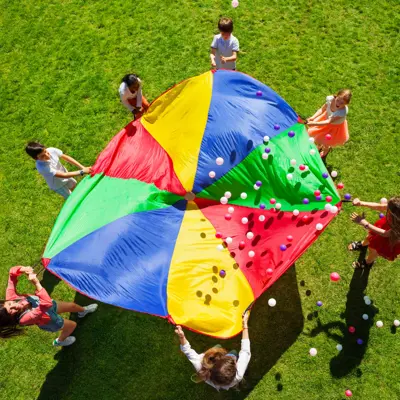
x=125, y=355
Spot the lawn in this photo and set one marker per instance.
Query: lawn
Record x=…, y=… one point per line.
x=61, y=62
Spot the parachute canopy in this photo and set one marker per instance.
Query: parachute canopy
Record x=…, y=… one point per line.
x=129, y=235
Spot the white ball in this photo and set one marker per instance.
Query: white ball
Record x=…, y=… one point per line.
x=278, y=206
x=228, y=240
x=243, y=195
x=272, y=302
x=245, y=220
x=311, y=140
x=334, y=210
x=313, y=352
x=251, y=254
x=328, y=207
x=289, y=177
x=256, y=187
x=296, y=212
x=312, y=152
x=211, y=174
x=368, y=302
x=228, y=195
x=261, y=218
x=319, y=227
x=220, y=247
x=293, y=162
x=396, y=322
x=383, y=200
x=366, y=298
x=306, y=168
x=266, y=138
x=265, y=156
x=339, y=347
x=365, y=317
x=231, y=210
x=223, y=200
x=334, y=174
x=379, y=324
x=219, y=161
x=249, y=235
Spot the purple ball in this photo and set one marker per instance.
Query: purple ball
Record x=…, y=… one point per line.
x=277, y=127
x=319, y=303
x=259, y=93
x=283, y=247
x=291, y=133
x=262, y=206
x=319, y=198
x=306, y=201
x=267, y=150
x=381, y=215
x=347, y=196
x=258, y=183
x=222, y=273
x=325, y=175
x=360, y=341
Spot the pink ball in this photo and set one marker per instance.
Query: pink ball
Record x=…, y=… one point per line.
x=302, y=167
x=305, y=218
x=328, y=199
x=228, y=217
x=328, y=136
x=289, y=238
x=352, y=329
x=335, y=276
x=348, y=393
x=272, y=201
x=340, y=186
x=270, y=271
x=317, y=193
x=218, y=235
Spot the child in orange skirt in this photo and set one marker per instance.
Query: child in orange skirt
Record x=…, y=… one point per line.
x=130, y=93
x=384, y=236
x=328, y=126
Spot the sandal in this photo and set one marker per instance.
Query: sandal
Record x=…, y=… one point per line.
x=363, y=264
x=355, y=246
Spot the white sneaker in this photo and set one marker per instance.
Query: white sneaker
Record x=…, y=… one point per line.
x=67, y=342
x=88, y=309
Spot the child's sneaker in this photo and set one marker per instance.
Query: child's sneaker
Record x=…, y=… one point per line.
x=67, y=342
x=88, y=309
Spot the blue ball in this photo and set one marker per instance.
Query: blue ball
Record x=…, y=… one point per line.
x=347, y=196
x=319, y=198
x=277, y=127
x=325, y=175
x=283, y=247
x=360, y=341
x=259, y=93
x=291, y=133
x=267, y=150
x=319, y=303
x=258, y=183
x=381, y=215
x=262, y=206
x=306, y=201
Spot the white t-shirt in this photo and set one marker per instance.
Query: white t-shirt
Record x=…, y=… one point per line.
x=225, y=48
x=125, y=94
x=241, y=363
x=338, y=113
x=49, y=168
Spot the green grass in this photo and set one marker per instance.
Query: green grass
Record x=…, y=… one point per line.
x=61, y=63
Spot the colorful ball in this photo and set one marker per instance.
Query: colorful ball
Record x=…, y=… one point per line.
x=304, y=218
x=258, y=183
x=306, y=201
x=222, y=273
x=325, y=175
x=277, y=127
x=381, y=215
x=352, y=329
x=289, y=238
x=223, y=200
x=272, y=201
x=256, y=187
x=264, y=156
x=283, y=247
x=228, y=217
x=228, y=240
x=243, y=195
x=261, y=218
x=318, y=198
x=313, y=352
x=272, y=302
x=270, y=271
x=289, y=177
x=218, y=235
x=302, y=167
x=347, y=196
x=327, y=207
x=278, y=206
x=211, y=174
x=267, y=150
x=317, y=193
x=231, y=210
x=245, y=220
x=235, y=3
x=249, y=235
x=335, y=277
x=360, y=341
x=266, y=138
x=340, y=185
x=296, y=213
x=242, y=245
x=293, y=162
x=219, y=161
x=228, y=195
x=319, y=227
x=328, y=199
x=379, y=324
x=334, y=174
x=396, y=322
x=348, y=393
x=262, y=206
x=251, y=254
x=383, y=200
x=312, y=152
x=291, y=134
x=328, y=136
x=259, y=92
x=319, y=303
x=334, y=209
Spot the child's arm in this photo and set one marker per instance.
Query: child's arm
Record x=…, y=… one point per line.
x=318, y=113
x=244, y=354
x=192, y=356
x=15, y=272
x=212, y=57
x=233, y=57
x=373, y=206
x=360, y=220
x=84, y=170
x=72, y=161
x=322, y=123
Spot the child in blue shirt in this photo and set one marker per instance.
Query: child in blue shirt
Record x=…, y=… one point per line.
x=225, y=46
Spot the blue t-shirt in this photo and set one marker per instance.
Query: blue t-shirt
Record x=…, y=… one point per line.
x=225, y=48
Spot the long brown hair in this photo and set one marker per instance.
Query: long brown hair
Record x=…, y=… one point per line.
x=8, y=323
x=393, y=217
x=217, y=367
x=345, y=94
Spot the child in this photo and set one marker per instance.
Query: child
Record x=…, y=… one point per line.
x=130, y=93
x=384, y=236
x=48, y=164
x=38, y=310
x=328, y=126
x=225, y=46
x=217, y=367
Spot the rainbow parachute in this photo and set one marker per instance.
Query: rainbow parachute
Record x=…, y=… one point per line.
x=128, y=237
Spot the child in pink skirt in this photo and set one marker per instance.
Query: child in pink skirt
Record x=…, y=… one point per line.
x=328, y=126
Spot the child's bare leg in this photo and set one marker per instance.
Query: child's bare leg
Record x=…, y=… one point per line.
x=365, y=242
x=69, y=327
x=372, y=256
x=63, y=307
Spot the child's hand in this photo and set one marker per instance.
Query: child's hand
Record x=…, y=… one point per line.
x=33, y=278
x=179, y=332
x=223, y=59
x=213, y=64
x=87, y=170
x=358, y=219
x=27, y=270
x=356, y=202
x=245, y=319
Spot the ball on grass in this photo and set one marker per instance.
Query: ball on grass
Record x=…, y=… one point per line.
x=348, y=393
x=272, y=302
x=381, y=215
x=340, y=185
x=347, y=196
x=383, y=200
x=319, y=303
x=334, y=174
x=396, y=322
x=334, y=277
x=313, y=352
x=379, y=324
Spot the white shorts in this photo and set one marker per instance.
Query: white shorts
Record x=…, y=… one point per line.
x=65, y=190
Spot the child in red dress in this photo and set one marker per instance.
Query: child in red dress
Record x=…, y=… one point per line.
x=384, y=236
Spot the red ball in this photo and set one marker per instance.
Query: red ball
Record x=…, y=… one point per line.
x=272, y=201
x=289, y=238
x=317, y=193
x=302, y=167
x=305, y=218
x=228, y=217
x=348, y=393
x=242, y=245
x=328, y=136
x=270, y=271
x=340, y=186
x=352, y=329
x=335, y=276
x=328, y=199
x=218, y=235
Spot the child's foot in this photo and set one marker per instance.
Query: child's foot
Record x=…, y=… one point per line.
x=67, y=342
x=355, y=246
x=88, y=309
x=363, y=264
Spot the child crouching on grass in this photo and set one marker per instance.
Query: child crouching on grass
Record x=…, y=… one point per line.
x=39, y=309
x=384, y=236
x=218, y=367
x=49, y=166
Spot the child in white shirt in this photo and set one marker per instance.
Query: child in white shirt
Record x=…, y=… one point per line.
x=130, y=93
x=225, y=46
x=217, y=367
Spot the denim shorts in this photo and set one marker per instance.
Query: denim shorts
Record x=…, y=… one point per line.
x=57, y=321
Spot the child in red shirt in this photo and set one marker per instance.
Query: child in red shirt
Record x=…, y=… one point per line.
x=38, y=309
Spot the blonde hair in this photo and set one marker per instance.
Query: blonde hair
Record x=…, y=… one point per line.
x=344, y=94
